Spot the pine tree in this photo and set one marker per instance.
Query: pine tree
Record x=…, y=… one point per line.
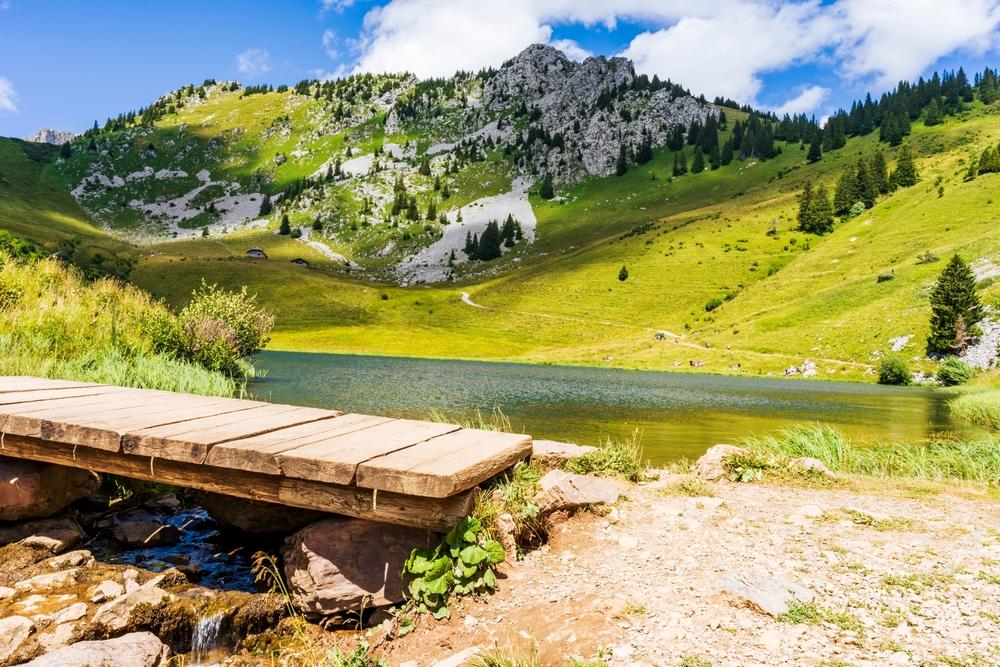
x=955, y=307
x=727, y=152
x=698, y=163
x=509, y=231
x=815, y=149
x=265, y=206
x=806, y=207
x=821, y=216
x=432, y=211
x=879, y=172
x=66, y=150
x=846, y=192
x=425, y=167
x=284, y=229
x=317, y=225
x=864, y=184
x=677, y=164
x=546, y=191
x=645, y=152
x=933, y=116
x=621, y=165
x=715, y=158
x=906, y=170
x=489, y=243
x=623, y=274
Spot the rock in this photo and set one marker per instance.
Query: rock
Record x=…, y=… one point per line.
x=45, y=582
x=506, y=529
x=165, y=503
x=79, y=558
x=459, y=659
x=710, y=465
x=106, y=590
x=552, y=454
x=52, y=535
x=142, y=529
x=767, y=594
x=809, y=464
x=30, y=490
x=74, y=612
x=255, y=516
x=337, y=565
x=564, y=491
x=49, y=136
x=14, y=631
x=58, y=637
x=137, y=649
x=6, y=592
x=114, y=615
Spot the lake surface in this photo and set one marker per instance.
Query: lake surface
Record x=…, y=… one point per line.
x=677, y=414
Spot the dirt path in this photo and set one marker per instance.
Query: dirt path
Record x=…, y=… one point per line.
x=895, y=580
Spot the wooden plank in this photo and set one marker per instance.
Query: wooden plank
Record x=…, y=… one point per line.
x=431, y=513
x=445, y=465
x=192, y=440
x=335, y=460
x=25, y=383
x=104, y=427
x=258, y=454
x=40, y=395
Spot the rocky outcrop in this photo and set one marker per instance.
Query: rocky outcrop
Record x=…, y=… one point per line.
x=137, y=649
x=50, y=136
x=52, y=535
x=30, y=490
x=339, y=565
x=115, y=615
x=552, y=454
x=711, y=465
x=564, y=492
x=14, y=631
x=255, y=516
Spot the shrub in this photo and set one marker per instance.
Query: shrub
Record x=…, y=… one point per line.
x=885, y=277
x=953, y=371
x=712, y=304
x=927, y=257
x=218, y=330
x=892, y=369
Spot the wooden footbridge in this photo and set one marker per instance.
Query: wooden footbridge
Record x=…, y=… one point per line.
x=402, y=471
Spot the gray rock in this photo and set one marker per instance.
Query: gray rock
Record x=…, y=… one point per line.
x=338, y=565
x=47, y=582
x=711, y=464
x=553, y=454
x=114, y=615
x=143, y=529
x=764, y=593
x=255, y=516
x=74, y=612
x=52, y=535
x=137, y=649
x=50, y=136
x=105, y=591
x=809, y=464
x=79, y=558
x=564, y=491
x=14, y=631
x=6, y=592
x=31, y=490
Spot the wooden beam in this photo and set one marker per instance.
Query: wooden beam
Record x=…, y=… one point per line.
x=438, y=514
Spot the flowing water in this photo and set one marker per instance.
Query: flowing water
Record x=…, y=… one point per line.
x=677, y=414
x=206, y=641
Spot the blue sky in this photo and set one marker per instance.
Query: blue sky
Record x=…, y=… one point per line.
x=65, y=63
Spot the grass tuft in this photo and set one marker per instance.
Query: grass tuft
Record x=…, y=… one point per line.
x=982, y=409
x=615, y=458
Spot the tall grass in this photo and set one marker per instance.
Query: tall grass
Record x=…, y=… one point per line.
x=55, y=324
x=938, y=460
x=614, y=458
x=982, y=409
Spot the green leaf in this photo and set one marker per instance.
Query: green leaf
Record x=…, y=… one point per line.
x=419, y=561
x=494, y=552
x=442, y=612
x=474, y=555
x=490, y=579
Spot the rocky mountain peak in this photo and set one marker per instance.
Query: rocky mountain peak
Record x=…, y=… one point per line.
x=50, y=136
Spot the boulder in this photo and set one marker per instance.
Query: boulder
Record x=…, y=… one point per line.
x=59, y=636
x=14, y=631
x=137, y=649
x=105, y=591
x=254, y=516
x=79, y=558
x=338, y=565
x=115, y=615
x=143, y=529
x=31, y=490
x=46, y=582
x=711, y=464
x=809, y=465
x=764, y=593
x=52, y=535
x=564, y=491
x=552, y=454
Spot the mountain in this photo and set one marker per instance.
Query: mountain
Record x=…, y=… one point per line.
x=528, y=188
x=49, y=136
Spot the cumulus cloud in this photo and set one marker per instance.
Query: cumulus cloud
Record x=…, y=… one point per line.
x=335, y=5
x=809, y=99
x=330, y=43
x=253, y=62
x=8, y=96
x=572, y=50
x=718, y=48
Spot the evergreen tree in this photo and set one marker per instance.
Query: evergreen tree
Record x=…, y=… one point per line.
x=864, y=184
x=955, y=307
x=933, y=116
x=815, y=149
x=715, y=158
x=698, y=164
x=821, y=215
x=265, y=206
x=204, y=232
x=432, y=211
x=489, y=243
x=621, y=165
x=906, y=170
x=509, y=231
x=645, y=152
x=546, y=191
x=284, y=229
x=317, y=225
x=879, y=172
x=425, y=167
x=727, y=152
x=676, y=140
x=806, y=207
x=66, y=150
x=846, y=192
x=623, y=274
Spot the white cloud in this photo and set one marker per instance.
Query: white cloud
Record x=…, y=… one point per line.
x=572, y=50
x=808, y=100
x=253, y=62
x=330, y=43
x=8, y=96
x=335, y=5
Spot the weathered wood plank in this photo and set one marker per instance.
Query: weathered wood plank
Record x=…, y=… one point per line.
x=430, y=513
x=192, y=440
x=26, y=383
x=51, y=395
x=259, y=453
x=336, y=459
x=444, y=465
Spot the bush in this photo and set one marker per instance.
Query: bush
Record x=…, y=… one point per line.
x=885, y=277
x=892, y=369
x=712, y=304
x=218, y=330
x=953, y=371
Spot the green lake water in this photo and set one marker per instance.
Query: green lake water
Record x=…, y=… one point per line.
x=677, y=414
